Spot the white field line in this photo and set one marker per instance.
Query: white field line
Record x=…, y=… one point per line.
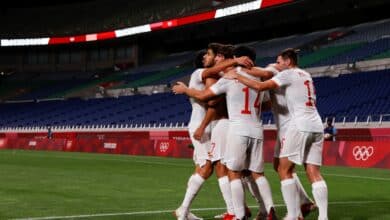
x=168, y=211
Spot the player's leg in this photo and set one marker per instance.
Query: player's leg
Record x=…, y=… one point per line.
x=203, y=170
x=304, y=198
x=306, y=204
x=235, y=158
x=291, y=154
x=256, y=166
x=238, y=195
x=250, y=184
x=319, y=190
x=194, y=185
x=289, y=189
x=217, y=152
x=221, y=172
x=313, y=164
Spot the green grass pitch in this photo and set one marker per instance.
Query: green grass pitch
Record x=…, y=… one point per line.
x=59, y=185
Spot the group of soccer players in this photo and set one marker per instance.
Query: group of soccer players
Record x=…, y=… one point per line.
x=227, y=93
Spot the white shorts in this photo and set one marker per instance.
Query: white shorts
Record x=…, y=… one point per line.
x=218, y=139
x=244, y=153
x=201, y=149
x=303, y=147
x=280, y=139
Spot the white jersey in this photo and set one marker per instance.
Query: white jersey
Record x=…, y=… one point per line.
x=243, y=104
x=301, y=99
x=198, y=107
x=279, y=105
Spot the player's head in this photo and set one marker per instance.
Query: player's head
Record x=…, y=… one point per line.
x=288, y=58
x=198, y=61
x=224, y=52
x=245, y=51
x=212, y=50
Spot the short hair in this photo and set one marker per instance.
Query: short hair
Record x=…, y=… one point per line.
x=226, y=50
x=245, y=51
x=290, y=53
x=198, y=61
x=215, y=47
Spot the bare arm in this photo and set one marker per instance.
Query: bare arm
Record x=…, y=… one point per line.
x=254, y=84
x=213, y=71
x=209, y=82
x=259, y=72
x=202, y=95
x=210, y=113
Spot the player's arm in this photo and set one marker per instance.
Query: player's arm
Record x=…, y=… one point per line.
x=202, y=95
x=254, y=84
x=216, y=69
x=210, y=113
x=213, y=102
x=263, y=73
x=259, y=72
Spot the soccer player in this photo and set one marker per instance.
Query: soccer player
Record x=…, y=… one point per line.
x=282, y=118
x=218, y=117
x=245, y=135
x=202, y=164
x=304, y=136
x=202, y=145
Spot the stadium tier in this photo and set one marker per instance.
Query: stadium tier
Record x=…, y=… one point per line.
x=363, y=52
x=321, y=48
x=347, y=96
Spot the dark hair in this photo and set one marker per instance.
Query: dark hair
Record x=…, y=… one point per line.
x=226, y=50
x=215, y=47
x=198, y=61
x=290, y=53
x=245, y=51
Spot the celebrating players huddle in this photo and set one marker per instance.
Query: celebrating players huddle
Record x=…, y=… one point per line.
x=228, y=93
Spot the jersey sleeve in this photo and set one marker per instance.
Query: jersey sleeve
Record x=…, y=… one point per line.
x=272, y=69
x=282, y=79
x=221, y=86
x=199, y=74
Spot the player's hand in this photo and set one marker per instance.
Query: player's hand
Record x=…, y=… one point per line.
x=232, y=74
x=244, y=61
x=179, y=88
x=198, y=133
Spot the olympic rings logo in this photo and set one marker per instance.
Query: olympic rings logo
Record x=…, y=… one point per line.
x=362, y=152
x=164, y=146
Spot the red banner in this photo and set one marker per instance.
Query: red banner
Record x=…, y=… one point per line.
x=357, y=153
x=178, y=144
